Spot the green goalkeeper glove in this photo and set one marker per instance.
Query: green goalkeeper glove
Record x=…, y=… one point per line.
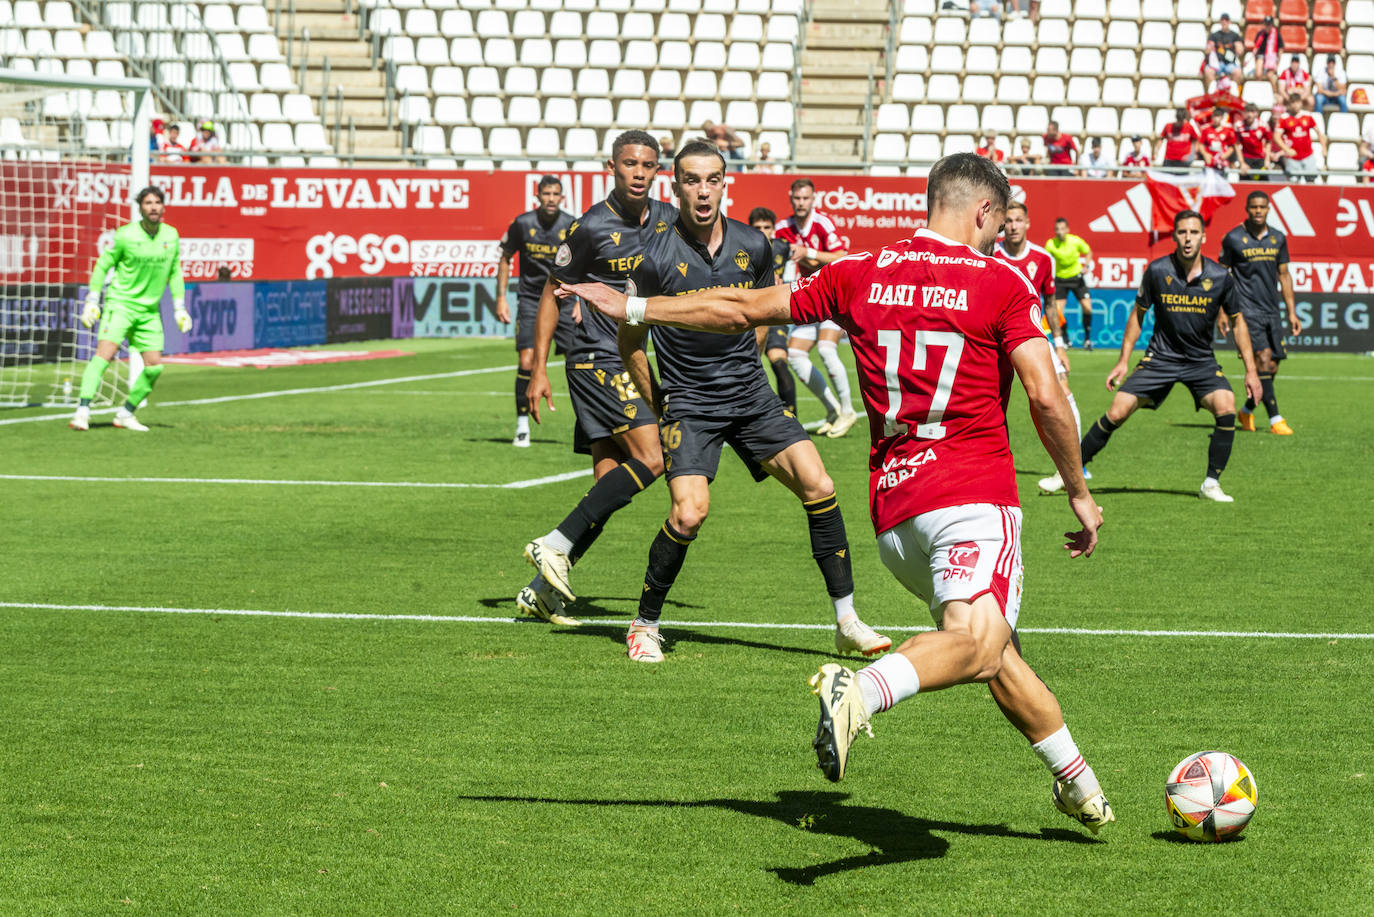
x=91, y=313
x=182, y=317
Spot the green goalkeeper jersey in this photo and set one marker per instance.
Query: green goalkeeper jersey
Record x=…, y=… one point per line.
x=143, y=265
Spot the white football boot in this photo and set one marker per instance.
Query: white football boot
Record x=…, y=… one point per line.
x=854, y=636
x=1211, y=490
x=842, y=424
x=1093, y=812
x=81, y=420
x=843, y=714
x=546, y=604
x=125, y=420
x=554, y=565
x=643, y=644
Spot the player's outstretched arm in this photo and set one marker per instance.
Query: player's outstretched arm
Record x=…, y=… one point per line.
x=630, y=341
x=1247, y=356
x=1054, y=422
x=1128, y=339
x=1286, y=289
x=544, y=326
x=724, y=310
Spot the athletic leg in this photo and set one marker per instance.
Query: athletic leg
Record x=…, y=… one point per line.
x=1222, y=405
x=782, y=371
x=691, y=496
x=522, y=406
x=827, y=344
x=1123, y=405
x=798, y=357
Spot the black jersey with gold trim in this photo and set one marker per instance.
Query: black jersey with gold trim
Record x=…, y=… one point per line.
x=1185, y=310
x=537, y=244
x=1254, y=262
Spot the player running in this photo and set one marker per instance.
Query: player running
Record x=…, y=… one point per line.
x=146, y=257
x=938, y=328
x=714, y=391
x=773, y=341
x=1257, y=255
x=814, y=244
x=614, y=423
x=535, y=235
x=1186, y=291
x=1071, y=256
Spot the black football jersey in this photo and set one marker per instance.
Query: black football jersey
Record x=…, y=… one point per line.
x=1185, y=310
x=1254, y=262
x=537, y=245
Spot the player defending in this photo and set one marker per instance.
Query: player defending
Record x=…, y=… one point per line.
x=536, y=235
x=1071, y=256
x=813, y=244
x=715, y=391
x=614, y=424
x=773, y=341
x=146, y=257
x=938, y=328
x=1257, y=255
x=1186, y=291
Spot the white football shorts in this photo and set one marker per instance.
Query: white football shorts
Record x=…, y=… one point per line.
x=808, y=332
x=958, y=553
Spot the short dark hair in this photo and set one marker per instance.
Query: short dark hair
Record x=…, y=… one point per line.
x=155, y=191
x=1181, y=113
x=1052, y=124
x=1188, y=215
x=633, y=138
x=546, y=180
x=1255, y=195
x=697, y=147
x=1294, y=97
x=762, y=213
x=1058, y=220
x=956, y=177
x=1251, y=106
x=803, y=183
x=1018, y=205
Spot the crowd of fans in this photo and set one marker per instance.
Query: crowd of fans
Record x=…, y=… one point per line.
x=165, y=144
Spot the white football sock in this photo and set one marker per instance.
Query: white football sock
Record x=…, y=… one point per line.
x=1275, y=418
x=1060, y=754
x=890, y=680
x=839, y=376
x=522, y=424
x=800, y=361
x=844, y=607
x=1077, y=421
x=558, y=542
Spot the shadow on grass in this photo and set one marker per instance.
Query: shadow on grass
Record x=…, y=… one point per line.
x=588, y=605
x=1173, y=837
x=505, y=440
x=1190, y=494
x=891, y=836
x=673, y=636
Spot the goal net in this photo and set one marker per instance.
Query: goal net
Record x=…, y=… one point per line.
x=71, y=151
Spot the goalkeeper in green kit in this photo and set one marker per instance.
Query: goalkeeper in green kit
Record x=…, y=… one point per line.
x=146, y=257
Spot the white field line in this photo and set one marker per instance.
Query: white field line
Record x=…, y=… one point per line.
x=744, y=625
x=1287, y=377
x=276, y=393
x=513, y=485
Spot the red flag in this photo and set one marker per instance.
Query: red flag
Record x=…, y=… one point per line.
x=1204, y=191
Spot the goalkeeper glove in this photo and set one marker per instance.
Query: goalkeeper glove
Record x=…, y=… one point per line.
x=182, y=317
x=91, y=313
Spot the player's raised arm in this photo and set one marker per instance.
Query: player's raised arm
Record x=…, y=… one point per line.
x=727, y=310
x=544, y=327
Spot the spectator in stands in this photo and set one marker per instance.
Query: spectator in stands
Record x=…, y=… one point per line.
x=1025, y=161
x=1218, y=142
x=1137, y=160
x=726, y=140
x=1096, y=165
x=1268, y=47
x=1178, y=141
x=1061, y=150
x=986, y=8
x=1256, y=145
x=173, y=150
x=667, y=148
x=156, y=139
x=1331, y=86
x=989, y=148
x=205, y=147
x=1294, y=134
x=1225, y=50
x=1296, y=79
x=765, y=159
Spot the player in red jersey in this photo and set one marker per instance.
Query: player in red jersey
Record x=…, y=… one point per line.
x=1061, y=150
x=1137, y=160
x=1256, y=144
x=1218, y=142
x=815, y=243
x=1293, y=135
x=939, y=328
x=1178, y=140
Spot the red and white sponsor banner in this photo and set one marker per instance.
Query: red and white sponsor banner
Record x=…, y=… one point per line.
x=264, y=358
x=303, y=224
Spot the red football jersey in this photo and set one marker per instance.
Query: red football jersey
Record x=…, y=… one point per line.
x=994, y=154
x=818, y=233
x=933, y=323
x=1293, y=82
x=1137, y=162
x=1254, y=140
x=1215, y=140
x=1297, y=130
x=1178, y=139
x=1034, y=263
x=1060, y=149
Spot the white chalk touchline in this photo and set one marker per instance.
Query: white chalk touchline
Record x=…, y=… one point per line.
x=747, y=625
x=513, y=485
x=276, y=393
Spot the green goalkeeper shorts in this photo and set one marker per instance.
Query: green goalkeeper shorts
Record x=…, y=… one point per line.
x=143, y=330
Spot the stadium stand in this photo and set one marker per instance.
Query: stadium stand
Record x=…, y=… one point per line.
x=517, y=84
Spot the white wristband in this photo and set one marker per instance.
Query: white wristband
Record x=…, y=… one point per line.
x=634, y=309
x=811, y=254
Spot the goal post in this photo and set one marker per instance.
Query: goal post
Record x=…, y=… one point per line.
x=72, y=152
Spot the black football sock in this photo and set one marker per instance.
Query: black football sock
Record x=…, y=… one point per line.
x=830, y=545
x=1271, y=403
x=1096, y=437
x=787, y=386
x=522, y=384
x=666, y=554
x=1087, y=325
x=1249, y=407
x=584, y=542
x=615, y=490
x=1219, y=448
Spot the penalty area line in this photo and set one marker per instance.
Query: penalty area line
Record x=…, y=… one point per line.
x=441, y=485
x=738, y=625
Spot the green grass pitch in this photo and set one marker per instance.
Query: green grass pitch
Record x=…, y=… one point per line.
x=210, y=762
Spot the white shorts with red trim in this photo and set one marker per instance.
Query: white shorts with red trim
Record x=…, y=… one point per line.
x=808, y=332
x=958, y=553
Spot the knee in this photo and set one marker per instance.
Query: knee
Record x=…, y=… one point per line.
x=526, y=360
x=818, y=487
x=797, y=358
x=1225, y=404
x=688, y=515
x=986, y=659
x=827, y=347
x=652, y=460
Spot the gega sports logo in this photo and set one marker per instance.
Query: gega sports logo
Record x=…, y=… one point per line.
x=842, y=198
x=375, y=253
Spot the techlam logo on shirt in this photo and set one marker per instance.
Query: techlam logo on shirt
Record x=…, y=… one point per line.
x=1132, y=213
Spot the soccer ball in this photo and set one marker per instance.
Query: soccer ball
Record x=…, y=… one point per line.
x=1211, y=796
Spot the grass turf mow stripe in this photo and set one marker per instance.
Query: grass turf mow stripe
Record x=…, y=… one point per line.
x=513, y=485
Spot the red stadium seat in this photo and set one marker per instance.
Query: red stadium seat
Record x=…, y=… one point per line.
x=1293, y=11
x=1326, y=12
x=1251, y=31
x=1257, y=10
x=1294, y=38
x=1326, y=39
